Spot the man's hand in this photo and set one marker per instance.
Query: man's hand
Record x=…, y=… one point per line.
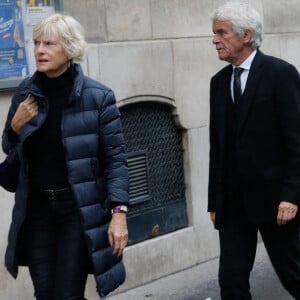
x=213, y=216
x=286, y=212
x=25, y=112
x=118, y=233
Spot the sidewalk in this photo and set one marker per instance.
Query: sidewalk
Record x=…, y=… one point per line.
x=200, y=283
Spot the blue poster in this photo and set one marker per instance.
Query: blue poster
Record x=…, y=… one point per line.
x=13, y=61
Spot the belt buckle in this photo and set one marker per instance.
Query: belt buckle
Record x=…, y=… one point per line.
x=52, y=194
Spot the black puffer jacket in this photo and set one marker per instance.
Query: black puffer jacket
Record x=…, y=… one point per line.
x=97, y=169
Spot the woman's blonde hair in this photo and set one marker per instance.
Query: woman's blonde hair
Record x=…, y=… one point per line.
x=68, y=30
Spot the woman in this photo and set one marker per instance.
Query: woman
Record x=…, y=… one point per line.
x=69, y=217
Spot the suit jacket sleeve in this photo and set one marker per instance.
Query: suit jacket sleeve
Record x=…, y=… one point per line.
x=287, y=93
x=213, y=155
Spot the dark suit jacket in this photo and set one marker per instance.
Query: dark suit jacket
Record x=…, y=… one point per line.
x=268, y=138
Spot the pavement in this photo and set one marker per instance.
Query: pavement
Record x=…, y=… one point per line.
x=200, y=283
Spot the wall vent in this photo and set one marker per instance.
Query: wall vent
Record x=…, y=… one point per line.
x=138, y=177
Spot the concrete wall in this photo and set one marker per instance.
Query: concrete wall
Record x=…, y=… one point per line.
x=161, y=48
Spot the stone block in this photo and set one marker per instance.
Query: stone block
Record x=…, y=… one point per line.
x=283, y=46
x=195, y=62
x=271, y=45
x=180, y=18
x=290, y=45
x=92, y=16
x=144, y=265
x=128, y=20
x=281, y=16
x=135, y=69
x=92, y=63
x=196, y=144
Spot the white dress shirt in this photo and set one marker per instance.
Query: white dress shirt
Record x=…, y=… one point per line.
x=244, y=76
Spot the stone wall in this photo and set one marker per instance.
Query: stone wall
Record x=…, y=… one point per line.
x=161, y=48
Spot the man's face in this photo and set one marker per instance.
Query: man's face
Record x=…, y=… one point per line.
x=229, y=45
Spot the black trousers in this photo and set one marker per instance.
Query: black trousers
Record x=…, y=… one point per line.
x=238, y=241
x=56, y=249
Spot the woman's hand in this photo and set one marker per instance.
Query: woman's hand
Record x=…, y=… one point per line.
x=27, y=109
x=118, y=233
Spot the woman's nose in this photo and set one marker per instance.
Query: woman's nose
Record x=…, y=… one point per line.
x=39, y=47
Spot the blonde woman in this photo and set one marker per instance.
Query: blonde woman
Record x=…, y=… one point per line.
x=70, y=208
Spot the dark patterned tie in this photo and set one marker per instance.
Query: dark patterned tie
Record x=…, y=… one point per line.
x=237, y=88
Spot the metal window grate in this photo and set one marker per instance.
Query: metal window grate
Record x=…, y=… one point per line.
x=155, y=160
x=138, y=177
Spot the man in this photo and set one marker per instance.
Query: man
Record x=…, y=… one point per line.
x=254, y=180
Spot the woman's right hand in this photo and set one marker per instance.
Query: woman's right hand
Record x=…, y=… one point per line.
x=27, y=109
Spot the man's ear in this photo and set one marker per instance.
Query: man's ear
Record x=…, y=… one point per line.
x=247, y=36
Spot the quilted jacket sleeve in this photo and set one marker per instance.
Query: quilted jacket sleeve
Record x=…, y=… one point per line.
x=113, y=151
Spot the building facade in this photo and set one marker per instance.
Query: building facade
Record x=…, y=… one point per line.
x=158, y=57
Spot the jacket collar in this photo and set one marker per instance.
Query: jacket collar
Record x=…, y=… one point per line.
x=253, y=80
x=34, y=85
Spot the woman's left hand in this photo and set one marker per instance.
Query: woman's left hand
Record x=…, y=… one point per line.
x=118, y=233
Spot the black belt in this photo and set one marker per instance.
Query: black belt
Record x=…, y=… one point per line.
x=54, y=194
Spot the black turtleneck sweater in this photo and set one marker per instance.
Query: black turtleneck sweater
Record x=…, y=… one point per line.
x=44, y=148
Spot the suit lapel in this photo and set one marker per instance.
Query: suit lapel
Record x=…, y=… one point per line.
x=222, y=100
x=253, y=80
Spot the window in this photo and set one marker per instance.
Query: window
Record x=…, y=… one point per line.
x=156, y=173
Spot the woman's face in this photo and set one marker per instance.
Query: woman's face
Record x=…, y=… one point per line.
x=50, y=56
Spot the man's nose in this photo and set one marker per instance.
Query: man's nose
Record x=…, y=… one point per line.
x=215, y=39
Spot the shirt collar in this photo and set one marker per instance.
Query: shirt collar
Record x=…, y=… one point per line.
x=247, y=63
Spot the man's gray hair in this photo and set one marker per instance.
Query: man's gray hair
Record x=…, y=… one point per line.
x=241, y=17
x=68, y=30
